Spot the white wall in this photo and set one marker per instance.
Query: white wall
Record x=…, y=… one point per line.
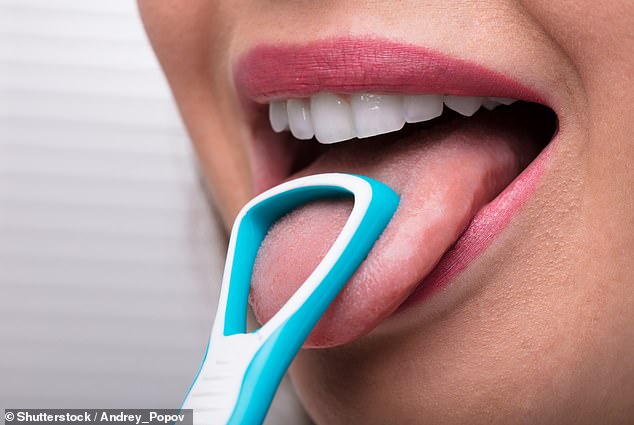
x=109, y=260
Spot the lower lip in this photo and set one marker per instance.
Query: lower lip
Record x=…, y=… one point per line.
x=486, y=225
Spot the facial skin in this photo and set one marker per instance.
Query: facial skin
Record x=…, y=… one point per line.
x=548, y=337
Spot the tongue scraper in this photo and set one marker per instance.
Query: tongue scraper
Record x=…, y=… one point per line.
x=242, y=370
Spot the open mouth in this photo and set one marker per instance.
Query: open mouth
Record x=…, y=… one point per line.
x=463, y=146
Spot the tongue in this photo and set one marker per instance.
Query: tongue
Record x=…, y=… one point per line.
x=443, y=174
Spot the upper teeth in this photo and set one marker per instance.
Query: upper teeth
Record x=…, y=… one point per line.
x=333, y=118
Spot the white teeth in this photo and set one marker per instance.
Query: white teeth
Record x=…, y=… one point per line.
x=300, y=119
x=375, y=114
x=464, y=105
x=422, y=108
x=490, y=104
x=278, y=116
x=504, y=100
x=332, y=118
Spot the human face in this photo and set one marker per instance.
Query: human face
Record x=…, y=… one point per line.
x=502, y=290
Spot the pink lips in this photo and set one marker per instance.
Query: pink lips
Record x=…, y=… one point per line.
x=352, y=65
x=385, y=282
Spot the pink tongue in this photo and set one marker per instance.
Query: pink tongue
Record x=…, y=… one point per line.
x=444, y=175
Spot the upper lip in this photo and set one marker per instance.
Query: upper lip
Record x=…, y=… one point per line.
x=351, y=65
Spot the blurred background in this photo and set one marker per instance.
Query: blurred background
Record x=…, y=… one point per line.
x=110, y=258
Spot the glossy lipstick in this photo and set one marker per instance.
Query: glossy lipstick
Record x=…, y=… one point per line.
x=352, y=65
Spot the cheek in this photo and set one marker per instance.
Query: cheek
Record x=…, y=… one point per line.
x=190, y=41
x=225, y=172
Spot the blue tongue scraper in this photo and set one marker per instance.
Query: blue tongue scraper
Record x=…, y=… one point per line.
x=242, y=370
